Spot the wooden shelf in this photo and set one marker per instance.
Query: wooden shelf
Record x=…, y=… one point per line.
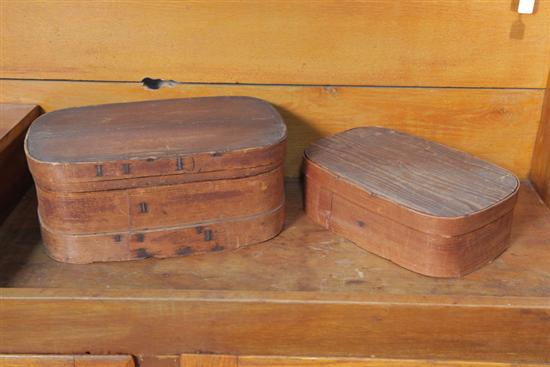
x=306, y=292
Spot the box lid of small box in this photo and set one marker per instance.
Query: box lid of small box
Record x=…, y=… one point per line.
x=188, y=139
x=426, y=185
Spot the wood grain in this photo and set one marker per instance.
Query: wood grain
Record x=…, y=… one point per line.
x=301, y=324
x=155, y=129
x=420, y=175
x=411, y=43
x=497, y=125
x=540, y=170
x=14, y=122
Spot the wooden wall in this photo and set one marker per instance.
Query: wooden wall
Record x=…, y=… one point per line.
x=467, y=73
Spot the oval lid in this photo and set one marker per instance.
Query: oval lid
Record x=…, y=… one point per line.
x=421, y=175
x=154, y=129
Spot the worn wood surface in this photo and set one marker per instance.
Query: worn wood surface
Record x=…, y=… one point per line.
x=540, y=170
x=120, y=142
x=497, y=125
x=414, y=173
x=154, y=129
x=14, y=174
x=417, y=42
x=22, y=360
x=306, y=292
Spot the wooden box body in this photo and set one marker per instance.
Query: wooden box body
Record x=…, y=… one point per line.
x=158, y=178
x=426, y=207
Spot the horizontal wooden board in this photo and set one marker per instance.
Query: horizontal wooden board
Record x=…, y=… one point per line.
x=171, y=321
x=376, y=42
x=497, y=125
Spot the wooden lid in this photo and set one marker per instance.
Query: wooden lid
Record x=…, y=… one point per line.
x=417, y=174
x=149, y=143
x=149, y=129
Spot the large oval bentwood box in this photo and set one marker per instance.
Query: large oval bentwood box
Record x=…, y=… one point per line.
x=429, y=208
x=158, y=178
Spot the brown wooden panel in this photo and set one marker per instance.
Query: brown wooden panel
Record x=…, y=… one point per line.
x=264, y=361
x=152, y=322
x=540, y=171
x=497, y=125
x=416, y=42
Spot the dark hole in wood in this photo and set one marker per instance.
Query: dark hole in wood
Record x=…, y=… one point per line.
x=151, y=83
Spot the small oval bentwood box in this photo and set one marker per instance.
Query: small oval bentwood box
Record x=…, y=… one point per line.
x=158, y=178
x=429, y=208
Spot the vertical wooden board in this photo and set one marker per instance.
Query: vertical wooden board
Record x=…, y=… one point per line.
x=497, y=125
x=375, y=42
x=540, y=171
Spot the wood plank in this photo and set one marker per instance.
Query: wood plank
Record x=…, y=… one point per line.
x=44, y=360
x=290, y=323
x=266, y=361
x=497, y=125
x=376, y=42
x=14, y=122
x=540, y=171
